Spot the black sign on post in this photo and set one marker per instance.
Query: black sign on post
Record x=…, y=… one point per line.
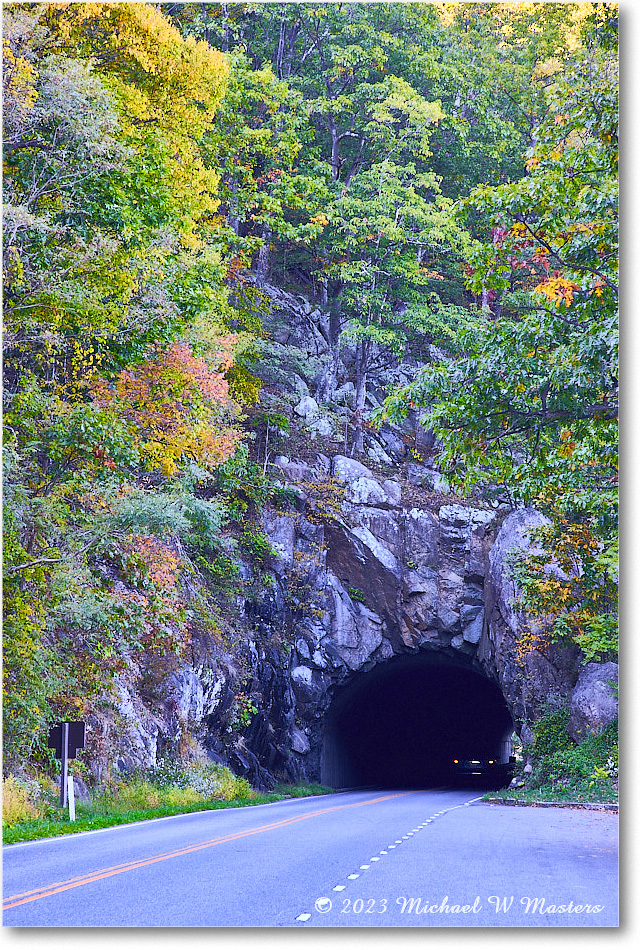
x=66, y=739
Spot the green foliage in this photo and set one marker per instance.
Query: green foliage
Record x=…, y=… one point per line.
x=16, y=802
x=525, y=400
x=242, y=712
x=254, y=542
x=572, y=587
x=443, y=178
x=581, y=767
x=551, y=733
x=357, y=594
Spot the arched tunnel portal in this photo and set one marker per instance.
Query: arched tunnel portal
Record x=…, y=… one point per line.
x=403, y=724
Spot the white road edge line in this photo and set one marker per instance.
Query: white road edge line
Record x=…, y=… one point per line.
x=150, y=821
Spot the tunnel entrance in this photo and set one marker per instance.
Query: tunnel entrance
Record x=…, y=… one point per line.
x=405, y=722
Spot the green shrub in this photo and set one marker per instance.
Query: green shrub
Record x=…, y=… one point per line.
x=593, y=762
x=209, y=780
x=16, y=802
x=551, y=734
x=357, y=594
x=181, y=796
x=256, y=544
x=130, y=796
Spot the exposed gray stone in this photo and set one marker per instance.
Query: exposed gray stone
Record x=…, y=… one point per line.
x=394, y=445
x=377, y=454
x=529, y=681
x=346, y=469
x=81, y=791
x=322, y=426
x=594, y=701
x=279, y=530
x=295, y=470
x=393, y=491
x=185, y=690
x=427, y=478
x=300, y=741
x=139, y=732
x=357, y=631
x=345, y=394
x=300, y=386
x=472, y=631
x=308, y=408
x=378, y=550
x=513, y=537
x=367, y=491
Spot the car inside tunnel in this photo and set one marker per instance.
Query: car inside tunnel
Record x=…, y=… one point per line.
x=411, y=722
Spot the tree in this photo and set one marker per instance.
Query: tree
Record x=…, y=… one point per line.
x=115, y=309
x=526, y=403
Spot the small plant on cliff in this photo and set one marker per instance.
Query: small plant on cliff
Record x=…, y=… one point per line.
x=324, y=499
x=255, y=543
x=242, y=712
x=357, y=594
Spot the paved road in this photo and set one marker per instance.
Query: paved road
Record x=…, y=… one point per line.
x=434, y=858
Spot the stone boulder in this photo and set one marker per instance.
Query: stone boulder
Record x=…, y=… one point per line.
x=307, y=408
x=295, y=470
x=513, y=538
x=349, y=470
x=543, y=674
x=362, y=487
x=279, y=530
x=594, y=701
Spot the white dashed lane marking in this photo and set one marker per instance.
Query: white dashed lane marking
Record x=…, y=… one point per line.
x=364, y=867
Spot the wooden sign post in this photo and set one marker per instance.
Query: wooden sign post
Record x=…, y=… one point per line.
x=66, y=739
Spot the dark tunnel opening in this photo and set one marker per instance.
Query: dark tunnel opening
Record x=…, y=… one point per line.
x=404, y=723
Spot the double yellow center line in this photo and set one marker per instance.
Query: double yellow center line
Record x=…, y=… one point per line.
x=50, y=889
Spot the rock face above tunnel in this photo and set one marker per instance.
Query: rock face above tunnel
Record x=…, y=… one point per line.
x=528, y=679
x=386, y=578
x=373, y=562
x=361, y=582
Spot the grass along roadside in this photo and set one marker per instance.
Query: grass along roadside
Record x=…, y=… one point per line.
x=98, y=814
x=558, y=771
x=549, y=795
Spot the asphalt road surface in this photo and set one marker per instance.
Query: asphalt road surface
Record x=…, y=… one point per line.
x=435, y=858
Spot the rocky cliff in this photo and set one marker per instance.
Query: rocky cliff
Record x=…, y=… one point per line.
x=369, y=562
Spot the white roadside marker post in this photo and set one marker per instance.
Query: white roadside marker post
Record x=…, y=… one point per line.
x=70, y=798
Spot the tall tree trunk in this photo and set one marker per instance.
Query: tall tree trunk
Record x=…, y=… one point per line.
x=363, y=347
x=328, y=383
x=335, y=160
x=225, y=16
x=263, y=258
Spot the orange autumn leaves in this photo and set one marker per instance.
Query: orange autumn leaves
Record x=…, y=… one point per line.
x=178, y=405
